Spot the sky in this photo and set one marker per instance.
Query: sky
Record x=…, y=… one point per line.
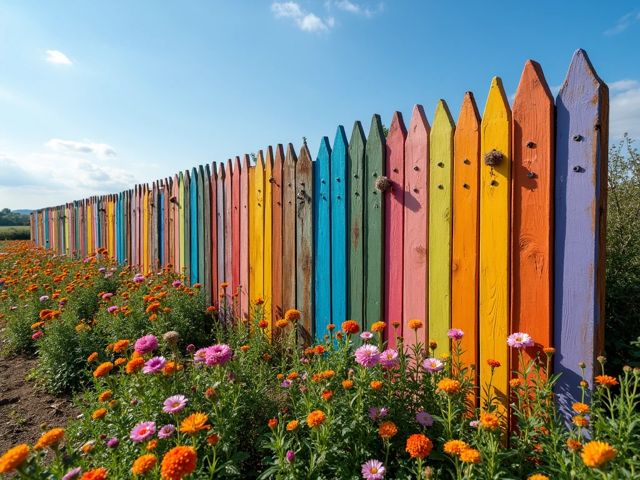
x=96, y=96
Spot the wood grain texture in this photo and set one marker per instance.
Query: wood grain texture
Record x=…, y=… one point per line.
x=339, y=228
x=277, y=308
x=153, y=227
x=466, y=230
x=244, y=238
x=175, y=207
x=416, y=220
x=193, y=225
x=228, y=230
x=374, y=224
x=532, y=212
x=180, y=219
x=187, y=225
x=289, y=229
x=440, y=221
x=582, y=113
x=220, y=225
x=213, y=232
x=494, y=240
x=200, y=220
x=394, y=230
x=144, y=237
x=356, y=190
x=256, y=220
x=207, y=283
x=268, y=232
x=322, y=238
x=235, y=232
x=304, y=242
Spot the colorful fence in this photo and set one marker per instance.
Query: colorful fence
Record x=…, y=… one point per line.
x=493, y=224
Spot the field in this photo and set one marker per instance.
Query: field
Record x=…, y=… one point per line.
x=14, y=232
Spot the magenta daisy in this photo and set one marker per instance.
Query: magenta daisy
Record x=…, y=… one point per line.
x=366, y=335
x=373, y=470
x=367, y=355
x=218, y=354
x=174, y=404
x=433, y=365
x=200, y=356
x=455, y=334
x=166, y=431
x=154, y=365
x=143, y=431
x=146, y=344
x=520, y=340
x=389, y=358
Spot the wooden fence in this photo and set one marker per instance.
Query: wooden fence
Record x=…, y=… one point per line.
x=493, y=224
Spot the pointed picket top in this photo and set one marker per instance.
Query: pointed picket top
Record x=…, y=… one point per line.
x=305, y=155
x=260, y=160
x=291, y=156
x=269, y=159
x=419, y=125
x=497, y=106
x=228, y=167
x=325, y=147
x=340, y=140
x=443, y=123
x=397, y=128
x=357, y=135
x=532, y=84
x=469, y=117
x=580, y=74
x=278, y=162
x=236, y=165
x=221, y=171
x=376, y=131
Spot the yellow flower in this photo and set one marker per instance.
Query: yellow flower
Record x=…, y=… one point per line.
x=316, y=418
x=449, y=385
x=470, y=455
x=194, y=423
x=596, y=453
x=489, y=421
x=292, y=425
x=580, y=408
x=455, y=447
x=13, y=458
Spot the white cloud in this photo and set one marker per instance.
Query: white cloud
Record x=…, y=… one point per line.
x=357, y=8
x=57, y=57
x=623, y=85
x=624, y=108
x=99, y=149
x=623, y=23
x=305, y=21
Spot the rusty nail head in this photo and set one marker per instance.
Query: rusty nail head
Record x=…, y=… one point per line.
x=466, y=185
x=441, y=187
x=494, y=182
x=467, y=161
x=440, y=164
x=531, y=144
x=531, y=174
x=395, y=170
x=415, y=190
x=416, y=168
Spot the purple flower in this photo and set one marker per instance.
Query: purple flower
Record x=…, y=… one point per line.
x=191, y=348
x=176, y=283
x=291, y=455
x=285, y=383
x=376, y=413
x=200, y=356
x=366, y=336
x=73, y=473
x=143, y=431
x=44, y=298
x=174, y=404
x=154, y=365
x=218, y=354
x=520, y=340
x=389, y=358
x=113, y=442
x=424, y=419
x=373, y=470
x=367, y=355
x=166, y=431
x=102, y=269
x=138, y=278
x=112, y=309
x=146, y=344
x=432, y=365
x=455, y=334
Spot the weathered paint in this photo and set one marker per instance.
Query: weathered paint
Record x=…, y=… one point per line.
x=304, y=241
x=289, y=229
x=339, y=224
x=244, y=237
x=256, y=229
x=322, y=238
x=235, y=231
x=268, y=231
x=228, y=230
x=356, y=189
x=193, y=225
x=200, y=217
x=207, y=283
x=213, y=233
x=277, y=308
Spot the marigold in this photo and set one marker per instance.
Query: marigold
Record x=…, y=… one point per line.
x=493, y=363
x=13, y=458
x=455, y=447
x=103, y=369
x=470, y=455
x=316, y=418
x=596, y=453
x=119, y=361
x=490, y=421
x=606, y=381
x=169, y=368
x=378, y=327
x=92, y=358
x=120, y=346
x=347, y=384
x=415, y=324
x=292, y=315
x=99, y=413
x=387, y=430
x=152, y=444
x=36, y=325
x=573, y=444
x=350, y=326
x=326, y=395
x=292, y=376
x=537, y=476
x=580, y=408
x=178, y=462
x=105, y=396
x=292, y=425
x=263, y=324
x=449, y=385
x=282, y=323
x=213, y=439
x=376, y=384
x=194, y=423
x=134, y=365
x=419, y=446
x=96, y=474
x=49, y=439
x=580, y=421
x=144, y=464
x=273, y=423
x=515, y=382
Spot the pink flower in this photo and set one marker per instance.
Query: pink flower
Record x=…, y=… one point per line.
x=424, y=419
x=455, y=334
x=366, y=336
x=291, y=456
x=367, y=355
x=200, y=356
x=520, y=340
x=474, y=423
x=37, y=335
x=112, y=309
x=376, y=413
x=143, y=431
x=433, y=365
x=138, y=278
x=174, y=404
x=166, y=431
x=389, y=358
x=44, y=298
x=373, y=470
x=73, y=473
x=154, y=365
x=176, y=283
x=146, y=344
x=107, y=296
x=218, y=354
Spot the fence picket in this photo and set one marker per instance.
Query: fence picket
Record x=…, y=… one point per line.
x=356, y=190
x=304, y=241
x=339, y=219
x=277, y=308
x=322, y=238
x=289, y=201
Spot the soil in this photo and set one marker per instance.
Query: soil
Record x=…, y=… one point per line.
x=25, y=409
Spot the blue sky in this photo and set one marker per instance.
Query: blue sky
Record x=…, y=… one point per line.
x=96, y=96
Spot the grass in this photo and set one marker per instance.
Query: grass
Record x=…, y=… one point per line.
x=10, y=232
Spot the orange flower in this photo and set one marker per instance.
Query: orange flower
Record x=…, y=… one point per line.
x=104, y=396
x=49, y=439
x=319, y=349
x=292, y=425
x=292, y=315
x=152, y=444
x=537, y=476
x=470, y=455
x=455, y=447
x=606, y=381
x=549, y=350
x=387, y=430
x=449, y=385
x=96, y=474
x=99, y=413
x=213, y=439
x=580, y=408
x=120, y=346
x=37, y=325
x=350, y=326
x=326, y=395
x=376, y=384
x=153, y=307
x=194, y=423
x=273, y=423
x=13, y=458
x=419, y=446
x=103, y=369
x=596, y=453
x=134, y=365
x=92, y=357
x=347, y=384
x=292, y=376
x=580, y=421
x=331, y=327
x=489, y=421
x=515, y=382
x=119, y=361
x=144, y=464
x=493, y=363
x=378, y=327
x=169, y=368
x=263, y=324
x=245, y=348
x=259, y=301
x=178, y=462
x=415, y=324
x=574, y=445
x=316, y=418
x=281, y=323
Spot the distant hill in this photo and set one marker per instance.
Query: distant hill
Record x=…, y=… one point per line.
x=15, y=218
x=23, y=211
